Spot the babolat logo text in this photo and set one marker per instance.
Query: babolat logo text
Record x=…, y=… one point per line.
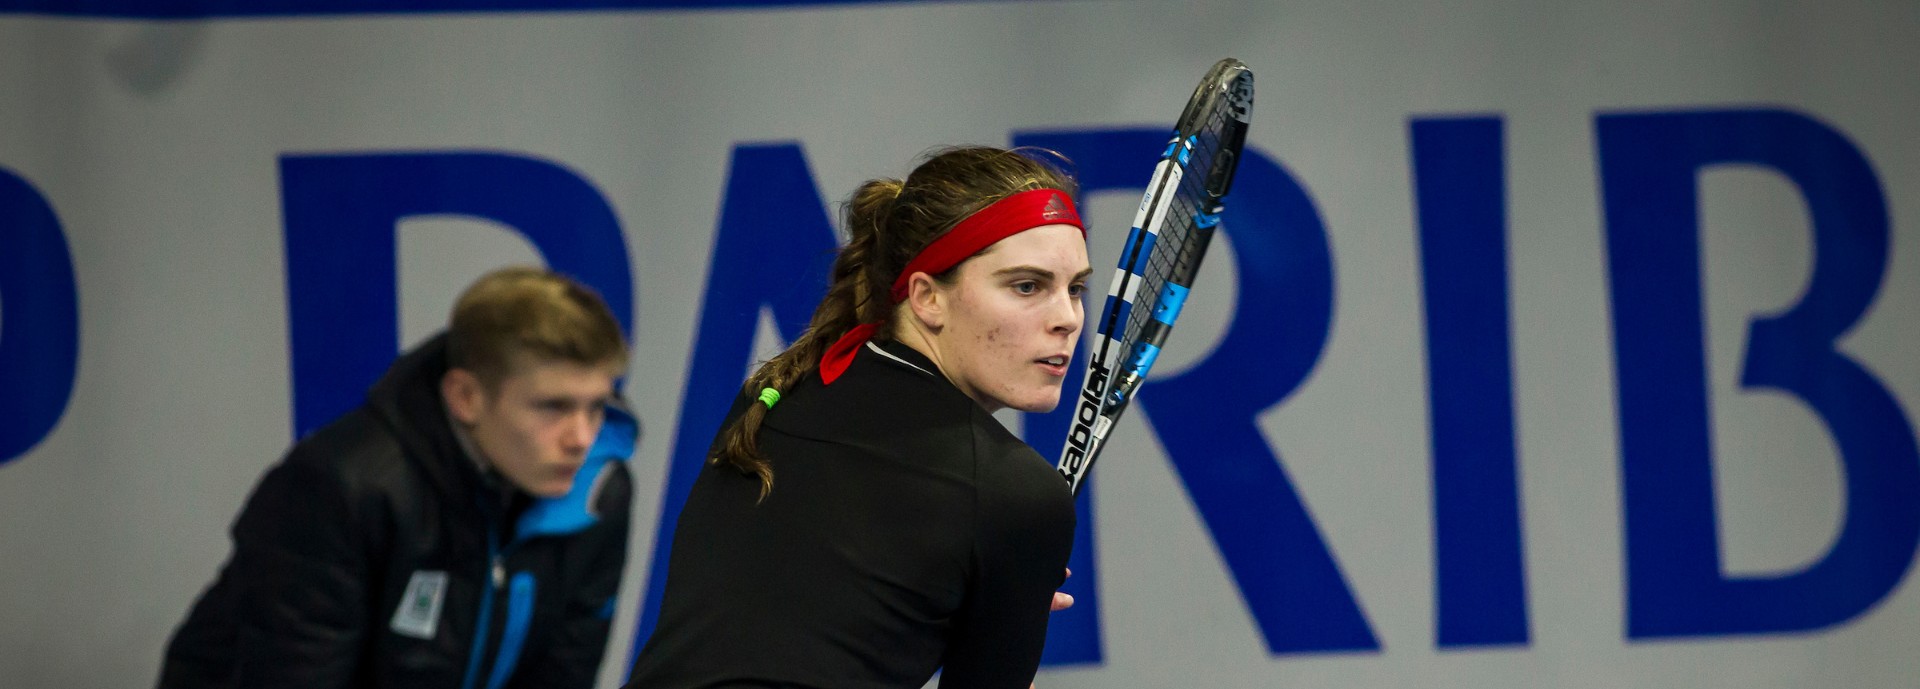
x=1080, y=439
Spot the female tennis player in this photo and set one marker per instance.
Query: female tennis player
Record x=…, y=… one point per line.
x=864, y=520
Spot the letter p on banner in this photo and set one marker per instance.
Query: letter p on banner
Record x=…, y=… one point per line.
x=39, y=319
x=341, y=214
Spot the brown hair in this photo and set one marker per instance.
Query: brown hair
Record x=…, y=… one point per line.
x=888, y=222
x=530, y=311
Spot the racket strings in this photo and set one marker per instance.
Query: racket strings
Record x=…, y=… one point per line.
x=1174, y=256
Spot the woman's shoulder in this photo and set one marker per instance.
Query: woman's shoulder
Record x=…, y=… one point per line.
x=1009, y=472
x=882, y=395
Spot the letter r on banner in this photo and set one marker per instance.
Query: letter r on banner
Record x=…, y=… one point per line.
x=1206, y=416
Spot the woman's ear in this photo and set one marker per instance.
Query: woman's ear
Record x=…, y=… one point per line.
x=928, y=301
x=464, y=395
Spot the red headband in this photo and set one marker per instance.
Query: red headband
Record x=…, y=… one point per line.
x=1005, y=218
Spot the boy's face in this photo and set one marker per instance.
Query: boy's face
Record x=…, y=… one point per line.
x=536, y=424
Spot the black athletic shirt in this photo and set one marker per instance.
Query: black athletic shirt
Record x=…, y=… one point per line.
x=907, y=531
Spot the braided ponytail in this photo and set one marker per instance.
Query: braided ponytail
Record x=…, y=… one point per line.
x=850, y=301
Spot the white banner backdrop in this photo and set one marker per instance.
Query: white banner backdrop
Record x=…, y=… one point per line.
x=166, y=150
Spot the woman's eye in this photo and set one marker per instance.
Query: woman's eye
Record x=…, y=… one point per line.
x=1026, y=287
x=1077, y=290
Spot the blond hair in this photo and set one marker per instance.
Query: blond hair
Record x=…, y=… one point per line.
x=527, y=311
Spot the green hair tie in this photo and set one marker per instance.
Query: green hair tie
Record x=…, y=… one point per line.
x=769, y=396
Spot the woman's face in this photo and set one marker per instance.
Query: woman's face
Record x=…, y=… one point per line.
x=1012, y=318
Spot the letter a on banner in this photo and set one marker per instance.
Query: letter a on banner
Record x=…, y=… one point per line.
x=1650, y=166
x=772, y=253
x=342, y=273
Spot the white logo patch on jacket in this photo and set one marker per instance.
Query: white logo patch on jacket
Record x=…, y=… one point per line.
x=418, y=615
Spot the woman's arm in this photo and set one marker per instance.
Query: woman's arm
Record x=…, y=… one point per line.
x=1024, y=534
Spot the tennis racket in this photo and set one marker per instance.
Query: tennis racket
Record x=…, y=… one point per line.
x=1176, y=220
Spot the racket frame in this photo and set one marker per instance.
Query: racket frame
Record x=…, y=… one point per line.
x=1115, y=367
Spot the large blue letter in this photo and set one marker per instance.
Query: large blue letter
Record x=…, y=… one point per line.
x=773, y=250
x=1650, y=164
x=341, y=213
x=1206, y=417
x=1073, y=635
x=1480, y=585
x=39, y=319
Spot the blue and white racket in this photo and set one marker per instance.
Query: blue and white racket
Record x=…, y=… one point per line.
x=1176, y=220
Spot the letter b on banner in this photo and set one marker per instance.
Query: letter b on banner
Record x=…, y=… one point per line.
x=1650, y=166
x=342, y=278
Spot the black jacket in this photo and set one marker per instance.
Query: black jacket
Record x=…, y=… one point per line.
x=907, y=530
x=372, y=553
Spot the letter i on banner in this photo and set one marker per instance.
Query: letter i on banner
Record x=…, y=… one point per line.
x=1460, y=190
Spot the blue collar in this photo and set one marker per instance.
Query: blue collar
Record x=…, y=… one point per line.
x=574, y=512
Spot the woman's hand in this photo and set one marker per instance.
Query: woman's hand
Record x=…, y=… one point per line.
x=1062, y=601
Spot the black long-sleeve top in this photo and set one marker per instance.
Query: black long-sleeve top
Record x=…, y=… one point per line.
x=907, y=531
